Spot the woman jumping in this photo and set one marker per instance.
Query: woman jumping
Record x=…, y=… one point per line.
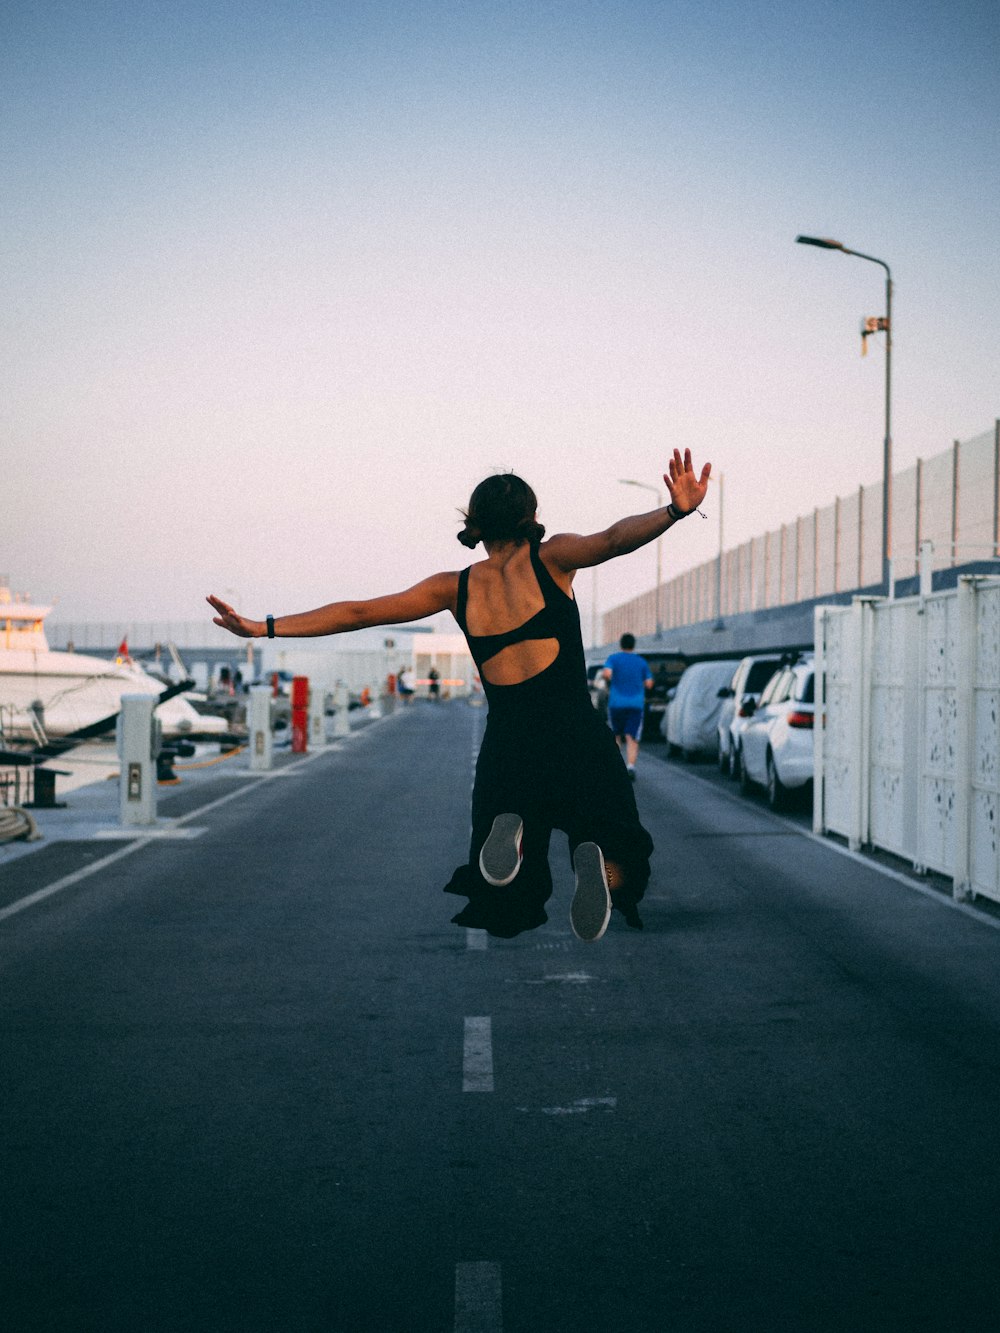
x=547, y=760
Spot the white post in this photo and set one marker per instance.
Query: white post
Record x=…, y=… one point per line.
x=819, y=717
x=926, y=567
x=259, y=728
x=317, y=716
x=965, y=705
x=341, y=702
x=860, y=726
x=138, y=742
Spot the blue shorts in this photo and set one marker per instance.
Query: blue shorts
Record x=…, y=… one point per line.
x=626, y=722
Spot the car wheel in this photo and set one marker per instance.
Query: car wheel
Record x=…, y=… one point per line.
x=734, y=762
x=746, y=786
x=723, y=759
x=777, y=793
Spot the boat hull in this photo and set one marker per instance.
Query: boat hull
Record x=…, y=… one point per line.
x=70, y=691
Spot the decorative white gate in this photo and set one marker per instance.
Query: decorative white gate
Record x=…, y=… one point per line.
x=908, y=754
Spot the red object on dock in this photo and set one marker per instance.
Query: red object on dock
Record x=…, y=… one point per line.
x=300, y=714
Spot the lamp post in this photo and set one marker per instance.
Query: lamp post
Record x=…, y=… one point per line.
x=825, y=244
x=645, y=486
x=719, y=624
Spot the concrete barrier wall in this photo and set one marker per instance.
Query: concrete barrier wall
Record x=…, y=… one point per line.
x=951, y=500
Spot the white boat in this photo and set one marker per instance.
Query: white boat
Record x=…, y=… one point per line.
x=45, y=693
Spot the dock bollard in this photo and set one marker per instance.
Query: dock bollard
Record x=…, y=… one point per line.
x=138, y=737
x=259, y=728
x=317, y=718
x=341, y=702
x=300, y=714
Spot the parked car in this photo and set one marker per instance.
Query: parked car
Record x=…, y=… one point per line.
x=666, y=670
x=748, y=681
x=691, y=721
x=776, y=749
x=598, y=687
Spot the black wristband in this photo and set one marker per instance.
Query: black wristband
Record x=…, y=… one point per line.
x=270, y=626
x=677, y=514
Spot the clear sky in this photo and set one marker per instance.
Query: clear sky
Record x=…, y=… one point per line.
x=283, y=281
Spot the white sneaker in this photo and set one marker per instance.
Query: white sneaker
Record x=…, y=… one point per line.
x=500, y=857
x=590, y=910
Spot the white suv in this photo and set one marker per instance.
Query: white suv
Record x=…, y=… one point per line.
x=777, y=743
x=741, y=697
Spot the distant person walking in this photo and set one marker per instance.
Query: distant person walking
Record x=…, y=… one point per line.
x=434, y=684
x=407, y=683
x=629, y=678
x=546, y=760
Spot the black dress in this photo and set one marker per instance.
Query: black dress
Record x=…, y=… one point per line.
x=546, y=756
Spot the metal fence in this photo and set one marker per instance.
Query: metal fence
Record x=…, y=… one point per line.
x=908, y=756
x=951, y=500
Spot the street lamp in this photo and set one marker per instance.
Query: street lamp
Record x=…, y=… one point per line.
x=645, y=486
x=719, y=623
x=825, y=244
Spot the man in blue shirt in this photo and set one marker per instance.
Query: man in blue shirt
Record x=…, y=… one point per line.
x=629, y=678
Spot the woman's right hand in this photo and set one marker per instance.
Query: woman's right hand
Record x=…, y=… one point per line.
x=233, y=622
x=687, y=489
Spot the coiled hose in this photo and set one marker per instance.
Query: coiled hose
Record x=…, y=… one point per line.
x=17, y=823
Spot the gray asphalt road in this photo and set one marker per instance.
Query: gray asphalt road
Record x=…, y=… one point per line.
x=257, y=1081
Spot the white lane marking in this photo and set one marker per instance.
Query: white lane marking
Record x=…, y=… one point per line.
x=477, y=1056
x=859, y=857
x=478, y=1298
x=262, y=774
x=475, y=939
x=580, y=1107
x=128, y=834
x=68, y=880
x=558, y=978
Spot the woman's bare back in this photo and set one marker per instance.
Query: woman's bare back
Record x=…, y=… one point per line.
x=503, y=595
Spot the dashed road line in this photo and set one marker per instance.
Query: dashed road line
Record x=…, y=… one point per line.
x=478, y=1298
x=477, y=1056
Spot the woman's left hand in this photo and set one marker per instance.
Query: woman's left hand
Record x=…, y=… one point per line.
x=235, y=623
x=686, y=489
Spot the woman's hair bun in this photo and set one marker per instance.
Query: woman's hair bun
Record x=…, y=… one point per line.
x=531, y=529
x=501, y=509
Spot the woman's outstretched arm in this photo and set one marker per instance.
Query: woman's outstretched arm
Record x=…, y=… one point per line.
x=569, y=551
x=437, y=593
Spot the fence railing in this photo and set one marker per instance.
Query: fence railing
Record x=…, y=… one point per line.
x=951, y=500
x=907, y=758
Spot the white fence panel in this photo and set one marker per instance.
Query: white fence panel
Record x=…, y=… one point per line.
x=908, y=746
x=938, y=723
x=984, y=811
x=892, y=751
x=838, y=651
